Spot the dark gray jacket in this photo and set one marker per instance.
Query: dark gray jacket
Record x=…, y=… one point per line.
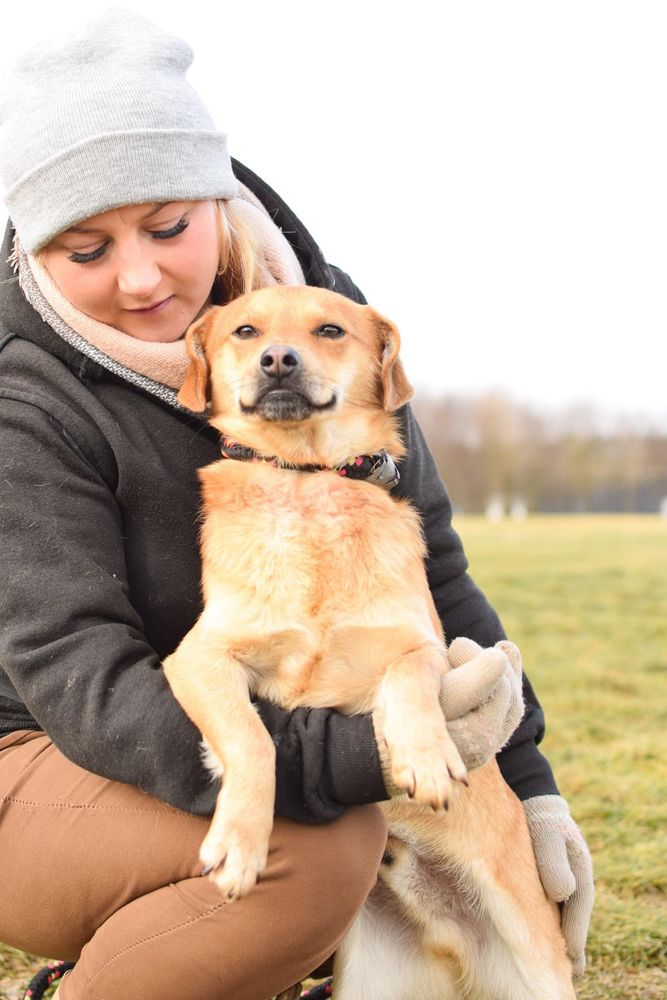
x=100, y=567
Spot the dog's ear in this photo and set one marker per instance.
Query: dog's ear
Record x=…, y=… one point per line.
x=396, y=390
x=194, y=393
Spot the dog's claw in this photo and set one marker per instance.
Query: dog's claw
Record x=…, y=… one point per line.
x=214, y=866
x=463, y=778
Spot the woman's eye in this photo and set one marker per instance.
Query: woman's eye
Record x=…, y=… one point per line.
x=84, y=258
x=245, y=332
x=331, y=331
x=168, y=234
x=156, y=234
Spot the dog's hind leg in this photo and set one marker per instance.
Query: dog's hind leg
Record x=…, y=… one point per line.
x=379, y=958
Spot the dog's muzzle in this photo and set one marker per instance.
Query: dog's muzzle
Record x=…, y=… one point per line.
x=283, y=390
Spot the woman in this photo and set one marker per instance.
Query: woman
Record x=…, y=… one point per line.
x=128, y=220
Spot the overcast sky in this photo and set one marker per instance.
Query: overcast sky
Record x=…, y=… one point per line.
x=492, y=174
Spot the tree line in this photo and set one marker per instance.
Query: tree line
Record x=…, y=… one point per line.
x=497, y=454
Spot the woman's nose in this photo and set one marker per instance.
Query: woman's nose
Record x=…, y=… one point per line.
x=138, y=273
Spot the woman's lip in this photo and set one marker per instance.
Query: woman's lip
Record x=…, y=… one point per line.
x=152, y=309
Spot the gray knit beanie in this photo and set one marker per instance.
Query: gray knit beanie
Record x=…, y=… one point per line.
x=105, y=118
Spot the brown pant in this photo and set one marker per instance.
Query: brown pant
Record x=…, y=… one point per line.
x=98, y=872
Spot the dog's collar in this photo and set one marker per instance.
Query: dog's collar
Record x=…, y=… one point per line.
x=377, y=469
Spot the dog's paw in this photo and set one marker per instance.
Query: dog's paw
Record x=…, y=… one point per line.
x=235, y=860
x=428, y=773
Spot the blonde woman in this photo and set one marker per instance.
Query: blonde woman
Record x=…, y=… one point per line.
x=128, y=219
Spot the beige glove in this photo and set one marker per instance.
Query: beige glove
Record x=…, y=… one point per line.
x=481, y=698
x=565, y=867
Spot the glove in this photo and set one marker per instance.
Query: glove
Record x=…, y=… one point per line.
x=565, y=867
x=481, y=698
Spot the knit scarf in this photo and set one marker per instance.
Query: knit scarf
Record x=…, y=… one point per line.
x=156, y=367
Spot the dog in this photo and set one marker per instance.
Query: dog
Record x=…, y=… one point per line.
x=315, y=594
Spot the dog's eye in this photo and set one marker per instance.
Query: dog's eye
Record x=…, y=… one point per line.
x=246, y=332
x=330, y=330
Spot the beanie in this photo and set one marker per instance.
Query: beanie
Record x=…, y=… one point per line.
x=105, y=118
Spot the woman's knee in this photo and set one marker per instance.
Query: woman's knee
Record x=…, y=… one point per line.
x=359, y=839
x=334, y=867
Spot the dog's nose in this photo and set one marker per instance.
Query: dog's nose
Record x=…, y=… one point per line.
x=279, y=361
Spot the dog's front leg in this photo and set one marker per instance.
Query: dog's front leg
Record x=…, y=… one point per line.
x=422, y=756
x=212, y=688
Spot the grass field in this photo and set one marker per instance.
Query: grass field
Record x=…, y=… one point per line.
x=586, y=599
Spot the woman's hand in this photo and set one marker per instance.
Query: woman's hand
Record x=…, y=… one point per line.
x=565, y=868
x=481, y=698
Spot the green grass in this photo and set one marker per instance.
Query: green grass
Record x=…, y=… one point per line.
x=586, y=600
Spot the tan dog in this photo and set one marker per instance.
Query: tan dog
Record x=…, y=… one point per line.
x=315, y=594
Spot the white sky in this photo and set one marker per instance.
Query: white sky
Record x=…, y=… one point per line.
x=492, y=174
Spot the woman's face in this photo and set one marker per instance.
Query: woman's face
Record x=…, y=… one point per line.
x=145, y=269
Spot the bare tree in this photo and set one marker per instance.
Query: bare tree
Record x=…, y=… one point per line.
x=491, y=446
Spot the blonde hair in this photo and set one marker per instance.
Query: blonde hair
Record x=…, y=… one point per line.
x=243, y=265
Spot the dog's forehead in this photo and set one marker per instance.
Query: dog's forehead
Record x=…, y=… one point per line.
x=294, y=306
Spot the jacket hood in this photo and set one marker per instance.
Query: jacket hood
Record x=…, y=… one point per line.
x=19, y=318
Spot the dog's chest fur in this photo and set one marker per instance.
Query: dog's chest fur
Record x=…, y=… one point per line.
x=308, y=574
